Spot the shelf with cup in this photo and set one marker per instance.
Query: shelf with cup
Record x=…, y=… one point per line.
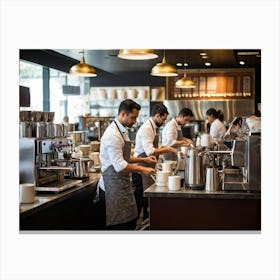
x=105, y=101
x=214, y=84
x=158, y=94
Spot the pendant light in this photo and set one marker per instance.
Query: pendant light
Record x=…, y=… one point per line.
x=82, y=69
x=164, y=69
x=185, y=82
x=137, y=54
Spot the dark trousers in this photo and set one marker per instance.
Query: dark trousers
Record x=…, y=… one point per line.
x=126, y=226
x=138, y=193
x=101, y=208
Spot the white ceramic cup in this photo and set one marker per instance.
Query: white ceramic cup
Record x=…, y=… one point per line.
x=172, y=162
x=167, y=166
x=26, y=193
x=206, y=140
x=162, y=178
x=174, y=183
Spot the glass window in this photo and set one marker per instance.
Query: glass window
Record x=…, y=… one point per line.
x=65, y=104
x=31, y=75
x=73, y=106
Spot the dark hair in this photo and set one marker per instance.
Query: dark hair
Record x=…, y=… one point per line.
x=128, y=105
x=216, y=114
x=159, y=109
x=185, y=112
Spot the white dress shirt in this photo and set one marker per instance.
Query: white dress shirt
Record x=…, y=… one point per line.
x=111, y=149
x=144, y=138
x=170, y=133
x=217, y=129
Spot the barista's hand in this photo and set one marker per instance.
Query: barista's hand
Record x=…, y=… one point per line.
x=186, y=142
x=170, y=149
x=151, y=159
x=148, y=171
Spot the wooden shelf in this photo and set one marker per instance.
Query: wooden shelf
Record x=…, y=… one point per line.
x=215, y=84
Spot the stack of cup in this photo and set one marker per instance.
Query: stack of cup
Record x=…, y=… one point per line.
x=162, y=178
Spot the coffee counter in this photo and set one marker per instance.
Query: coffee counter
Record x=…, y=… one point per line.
x=65, y=210
x=200, y=210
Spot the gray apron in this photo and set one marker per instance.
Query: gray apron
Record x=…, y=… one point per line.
x=171, y=155
x=119, y=198
x=147, y=181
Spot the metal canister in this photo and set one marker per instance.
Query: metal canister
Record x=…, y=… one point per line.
x=194, y=170
x=25, y=129
x=39, y=129
x=49, y=129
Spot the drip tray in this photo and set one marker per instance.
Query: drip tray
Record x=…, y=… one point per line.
x=58, y=187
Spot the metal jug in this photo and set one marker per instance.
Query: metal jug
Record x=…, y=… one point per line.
x=212, y=179
x=194, y=170
x=81, y=168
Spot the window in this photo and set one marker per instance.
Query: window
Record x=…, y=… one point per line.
x=31, y=75
x=66, y=105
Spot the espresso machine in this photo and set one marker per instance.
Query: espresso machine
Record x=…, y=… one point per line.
x=38, y=163
x=236, y=161
x=240, y=166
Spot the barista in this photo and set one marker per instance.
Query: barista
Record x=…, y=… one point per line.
x=215, y=118
x=172, y=134
x=117, y=163
x=146, y=144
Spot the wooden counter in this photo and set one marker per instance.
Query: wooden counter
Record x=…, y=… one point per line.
x=200, y=210
x=68, y=210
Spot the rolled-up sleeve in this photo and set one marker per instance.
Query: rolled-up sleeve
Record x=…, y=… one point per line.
x=115, y=153
x=169, y=135
x=147, y=140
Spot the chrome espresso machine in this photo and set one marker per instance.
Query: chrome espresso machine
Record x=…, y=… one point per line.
x=43, y=160
x=233, y=164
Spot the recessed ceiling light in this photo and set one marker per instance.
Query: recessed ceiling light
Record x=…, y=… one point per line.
x=207, y=63
x=186, y=64
x=179, y=64
x=241, y=62
x=203, y=53
x=204, y=56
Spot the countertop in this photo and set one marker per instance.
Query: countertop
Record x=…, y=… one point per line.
x=155, y=191
x=44, y=200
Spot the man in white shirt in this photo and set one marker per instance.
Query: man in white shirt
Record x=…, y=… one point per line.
x=172, y=134
x=146, y=144
x=116, y=164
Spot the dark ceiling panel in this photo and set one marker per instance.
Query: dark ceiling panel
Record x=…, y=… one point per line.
x=107, y=60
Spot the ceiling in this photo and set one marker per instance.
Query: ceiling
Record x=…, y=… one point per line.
x=108, y=60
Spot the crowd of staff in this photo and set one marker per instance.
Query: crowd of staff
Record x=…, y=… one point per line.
x=119, y=205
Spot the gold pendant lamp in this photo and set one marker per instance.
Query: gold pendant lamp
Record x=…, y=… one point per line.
x=137, y=54
x=164, y=69
x=185, y=82
x=82, y=69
